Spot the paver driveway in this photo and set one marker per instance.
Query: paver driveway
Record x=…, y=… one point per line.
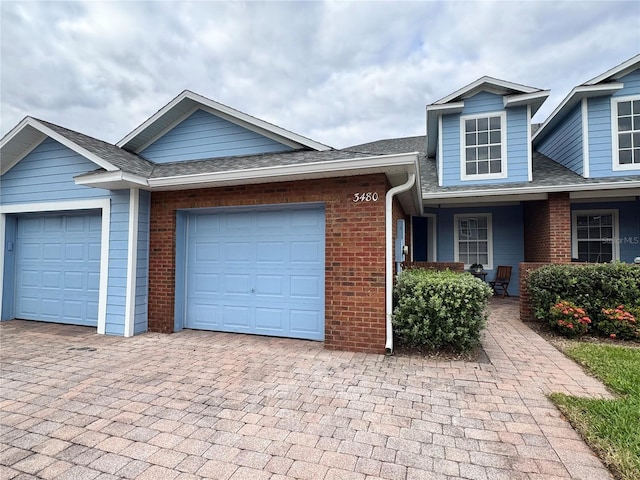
x=75, y=405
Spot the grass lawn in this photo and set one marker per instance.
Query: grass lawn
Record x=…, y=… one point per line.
x=611, y=427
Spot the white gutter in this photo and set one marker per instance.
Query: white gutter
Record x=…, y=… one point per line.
x=389, y=255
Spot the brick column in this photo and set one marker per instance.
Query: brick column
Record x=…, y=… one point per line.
x=559, y=228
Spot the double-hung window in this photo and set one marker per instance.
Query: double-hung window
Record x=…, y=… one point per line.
x=625, y=113
x=595, y=235
x=483, y=145
x=473, y=241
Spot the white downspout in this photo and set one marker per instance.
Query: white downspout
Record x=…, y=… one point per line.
x=389, y=255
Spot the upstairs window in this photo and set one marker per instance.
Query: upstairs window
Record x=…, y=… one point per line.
x=483, y=146
x=626, y=133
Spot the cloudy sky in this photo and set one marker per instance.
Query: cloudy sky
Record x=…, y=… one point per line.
x=341, y=73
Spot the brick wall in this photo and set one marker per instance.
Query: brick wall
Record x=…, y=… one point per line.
x=354, y=255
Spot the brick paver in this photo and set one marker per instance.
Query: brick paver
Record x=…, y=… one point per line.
x=193, y=404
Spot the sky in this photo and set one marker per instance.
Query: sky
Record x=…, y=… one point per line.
x=341, y=73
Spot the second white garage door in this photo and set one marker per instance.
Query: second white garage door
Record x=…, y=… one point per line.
x=257, y=271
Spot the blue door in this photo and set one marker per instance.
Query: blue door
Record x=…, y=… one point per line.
x=58, y=268
x=257, y=271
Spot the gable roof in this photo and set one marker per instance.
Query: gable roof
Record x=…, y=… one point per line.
x=514, y=95
x=602, y=85
x=31, y=132
x=188, y=102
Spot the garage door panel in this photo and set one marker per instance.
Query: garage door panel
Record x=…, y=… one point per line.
x=256, y=282
x=58, y=268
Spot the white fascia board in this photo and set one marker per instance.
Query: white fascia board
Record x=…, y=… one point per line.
x=10, y=153
x=232, y=115
x=488, y=81
x=527, y=190
x=99, y=180
x=571, y=100
x=408, y=161
x=617, y=71
x=434, y=112
x=535, y=100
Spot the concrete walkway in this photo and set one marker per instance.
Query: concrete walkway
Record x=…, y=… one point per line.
x=75, y=405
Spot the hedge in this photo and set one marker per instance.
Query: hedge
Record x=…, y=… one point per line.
x=440, y=310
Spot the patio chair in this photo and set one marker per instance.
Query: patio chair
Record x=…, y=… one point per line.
x=503, y=277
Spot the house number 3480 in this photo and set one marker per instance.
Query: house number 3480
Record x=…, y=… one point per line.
x=365, y=197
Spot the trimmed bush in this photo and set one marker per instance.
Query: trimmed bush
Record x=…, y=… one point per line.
x=440, y=310
x=593, y=287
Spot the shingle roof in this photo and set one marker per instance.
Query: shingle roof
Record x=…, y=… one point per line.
x=116, y=156
x=546, y=172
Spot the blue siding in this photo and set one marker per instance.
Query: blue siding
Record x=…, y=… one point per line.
x=600, y=132
x=628, y=221
x=46, y=175
x=508, y=237
x=142, y=267
x=203, y=135
x=564, y=144
x=517, y=145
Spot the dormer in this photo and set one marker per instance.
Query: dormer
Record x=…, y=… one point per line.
x=595, y=131
x=481, y=134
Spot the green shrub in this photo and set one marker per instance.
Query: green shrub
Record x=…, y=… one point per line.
x=440, y=309
x=591, y=287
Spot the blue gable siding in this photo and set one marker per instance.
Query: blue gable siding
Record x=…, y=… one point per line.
x=203, y=135
x=517, y=145
x=46, y=175
x=564, y=144
x=600, y=132
x=508, y=237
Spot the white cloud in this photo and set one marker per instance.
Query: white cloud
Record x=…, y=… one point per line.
x=341, y=73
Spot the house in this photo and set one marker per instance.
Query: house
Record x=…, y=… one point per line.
x=205, y=217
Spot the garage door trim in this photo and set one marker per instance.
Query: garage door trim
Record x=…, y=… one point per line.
x=104, y=205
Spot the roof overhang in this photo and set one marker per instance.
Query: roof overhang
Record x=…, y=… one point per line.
x=494, y=85
x=30, y=133
x=535, y=99
x=511, y=194
x=575, y=97
x=618, y=71
x=433, y=112
x=188, y=102
x=396, y=168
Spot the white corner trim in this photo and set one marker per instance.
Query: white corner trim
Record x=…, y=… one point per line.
x=585, y=138
x=529, y=146
x=3, y=219
x=132, y=260
x=103, y=204
x=440, y=154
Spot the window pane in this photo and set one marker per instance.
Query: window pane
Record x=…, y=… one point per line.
x=624, y=157
x=607, y=232
x=464, y=247
x=482, y=234
x=495, y=137
x=594, y=232
x=482, y=222
x=471, y=168
x=624, y=108
x=624, y=124
x=495, y=152
x=636, y=122
x=496, y=166
x=483, y=167
x=636, y=155
x=636, y=139
x=473, y=247
x=483, y=259
x=606, y=219
x=470, y=125
x=483, y=153
x=636, y=106
x=582, y=220
x=624, y=140
x=483, y=138
x=495, y=123
x=582, y=232
x=471, y=154
x=483, y=124
x=470, y=138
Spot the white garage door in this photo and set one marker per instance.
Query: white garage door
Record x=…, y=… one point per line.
x=257, y=271
x=58, y=268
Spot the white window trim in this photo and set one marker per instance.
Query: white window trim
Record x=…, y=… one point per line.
x=574, y=229
x=503, y=147
x=616, y=167
x=456, y=239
